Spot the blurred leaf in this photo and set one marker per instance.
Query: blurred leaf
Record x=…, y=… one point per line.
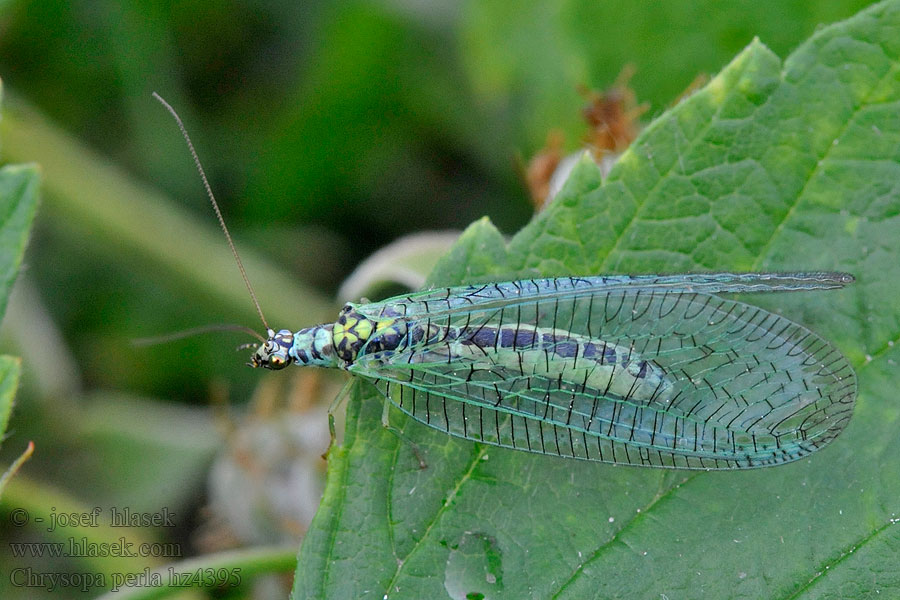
x=222, y=571
x=161, y=441
x=385, y=123
x=771, y=166
x=526, y=62
x=18, y=203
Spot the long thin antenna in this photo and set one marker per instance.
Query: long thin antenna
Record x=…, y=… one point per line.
x=180, y=335
x=215, y=206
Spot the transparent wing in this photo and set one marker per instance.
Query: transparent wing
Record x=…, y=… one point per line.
x=442, y=301
x=635, y=376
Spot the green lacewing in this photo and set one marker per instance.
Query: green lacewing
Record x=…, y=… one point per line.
x=646, y=370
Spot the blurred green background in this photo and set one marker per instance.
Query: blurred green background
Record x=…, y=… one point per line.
x=328, y=129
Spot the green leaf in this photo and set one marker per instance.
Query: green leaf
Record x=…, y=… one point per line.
x=772, y=166
x=9, y=381
x=18, y=201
